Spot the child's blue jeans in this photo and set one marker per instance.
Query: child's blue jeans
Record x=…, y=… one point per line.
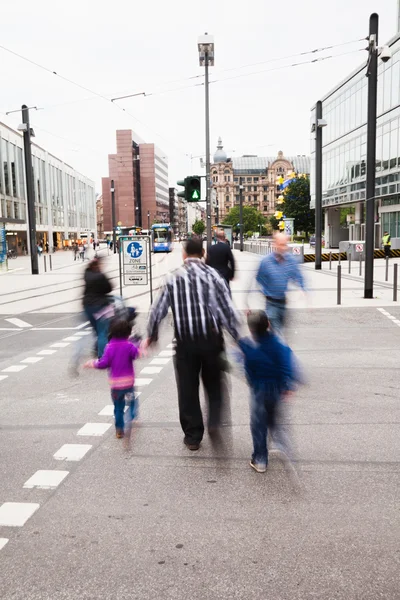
x=121, y=398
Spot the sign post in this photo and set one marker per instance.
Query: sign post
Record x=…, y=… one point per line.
x=136, y=261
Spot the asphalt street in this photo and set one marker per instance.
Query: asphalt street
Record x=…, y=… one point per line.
x=161, y=522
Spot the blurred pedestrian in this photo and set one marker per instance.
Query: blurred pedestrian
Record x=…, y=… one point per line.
x=95, y=299
x=76, y=250
x=220, y=257
x=275, y=272
x=271, y=375
x=47, y=247
x=118, y=357
x=39, y=250
x=201, y=307
x=111, y=244
x=387, y=244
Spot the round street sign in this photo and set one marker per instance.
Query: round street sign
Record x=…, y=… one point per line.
x=135, y=249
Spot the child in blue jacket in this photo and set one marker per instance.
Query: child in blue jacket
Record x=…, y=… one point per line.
x=271, y=373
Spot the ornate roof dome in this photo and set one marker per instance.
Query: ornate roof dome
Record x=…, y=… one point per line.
x=220, y=155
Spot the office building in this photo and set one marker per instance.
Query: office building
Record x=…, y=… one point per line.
x=100, y=217
x=64, y=199
x=174, y=210
x=344, y=153
x=140, y=174
x=258, y=176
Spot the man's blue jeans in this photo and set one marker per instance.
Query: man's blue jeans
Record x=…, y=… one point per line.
x=120, y=398
x=100, y=327
x=276, y=312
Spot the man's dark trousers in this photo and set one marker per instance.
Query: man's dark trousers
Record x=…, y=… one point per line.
x=192, y=359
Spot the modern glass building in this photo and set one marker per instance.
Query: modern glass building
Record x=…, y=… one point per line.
x=64, y=199
x=345, y=152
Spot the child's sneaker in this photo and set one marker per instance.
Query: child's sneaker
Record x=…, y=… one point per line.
x=119, y=433
x=259, y=467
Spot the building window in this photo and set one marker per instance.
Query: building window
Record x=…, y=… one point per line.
x=265, y=198
x=255, y=198
x=227, y=171
x=227, y=189
x=227, y=198
x=265, y=188
x=237, y=198
x=265, y=208
x=248, y=179
x=227, y=178
x=255, y=179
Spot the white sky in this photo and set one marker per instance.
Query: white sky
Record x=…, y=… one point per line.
x=128, y=46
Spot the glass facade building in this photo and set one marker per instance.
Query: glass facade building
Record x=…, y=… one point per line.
x=65, y=202
x=345, y=152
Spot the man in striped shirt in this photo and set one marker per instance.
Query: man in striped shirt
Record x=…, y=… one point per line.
x=201, y=307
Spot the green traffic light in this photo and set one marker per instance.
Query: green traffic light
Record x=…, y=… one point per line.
x=195, y=195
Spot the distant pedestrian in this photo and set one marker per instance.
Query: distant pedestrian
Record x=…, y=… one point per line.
x=94, y=246
x=47, y=247
x=76, y=250
x=271, y=375
x=39, y=250
x=220, y=257
x=111, y=245
x=387, y=244
x=201, y=307
x=118, y=358
x=95, y=298
x=275, y=272
x=82, y=252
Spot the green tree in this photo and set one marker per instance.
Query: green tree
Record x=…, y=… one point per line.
x=198, y=227
x=252, y=218
x=297, y=205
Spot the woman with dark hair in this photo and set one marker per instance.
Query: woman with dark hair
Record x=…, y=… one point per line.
x=95, y=299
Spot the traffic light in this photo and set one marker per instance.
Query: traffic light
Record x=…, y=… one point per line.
x=192, y=191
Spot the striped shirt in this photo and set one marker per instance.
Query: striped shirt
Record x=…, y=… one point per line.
x=200, y=303
x=275, y=272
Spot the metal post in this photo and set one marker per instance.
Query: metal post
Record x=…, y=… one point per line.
x=387, y=269
x=372, y=74
x=241, y=213
x=30, y=190
x=330, y=260
x=360, y=263
x=51, y=262
x=395, y=282
x=349, y=263
x=114, y=223
x=318, y=186
x=208, y=194
x=150, y=274
x=339, y=284
x=148, y=221
x=120, y=268
x=45, y=265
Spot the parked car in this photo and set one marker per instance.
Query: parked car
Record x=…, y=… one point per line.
x=312, y=241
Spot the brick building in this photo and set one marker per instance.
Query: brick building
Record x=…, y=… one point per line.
x=140, y=174
x=100, y=217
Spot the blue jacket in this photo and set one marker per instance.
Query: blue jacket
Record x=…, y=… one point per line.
x=269, y=364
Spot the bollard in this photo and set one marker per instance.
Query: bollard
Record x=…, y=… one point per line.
x=349, y=263
x=395, y=282
x=44, y=262
x=360, y=264
x=50, y=261
x=387, y=269
x=330, y=260
x=339, y=284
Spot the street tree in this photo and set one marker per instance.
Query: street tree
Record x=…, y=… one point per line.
x=252, y=218
x=198, y=227
x=297, y=205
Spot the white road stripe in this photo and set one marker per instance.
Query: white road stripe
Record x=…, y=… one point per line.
x=166, y=353
x=16, y=514
x=82, y=325
x=71, y=339
x=46, y=352
x=60, y=345
x=14, y=369
x=142, y=381
x=150, y=370
x=108, y=410
x=32, y=359
x=18, y=322
x=3, y=377
x=171, y=346
x=160, y=361
x=3, y=542
x=82, y=333
x=94, y=429
x=72, y=452
x=46, y=480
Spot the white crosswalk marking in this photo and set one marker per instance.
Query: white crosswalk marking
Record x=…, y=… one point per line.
x=3, y=542
x=47, y=352
x=94, y=429
x=60, y=345
x=140, y=381
x=166, y=353
x=14, y=369
x=71, y=339
x=18, y=322
x=16, y=514
x=46, y=480
x=72, y=452
x=160, y=361
x=150, y=370
x=32, y=359
x=3, y=377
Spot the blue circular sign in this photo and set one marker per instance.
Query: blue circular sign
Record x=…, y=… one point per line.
x=134, y=249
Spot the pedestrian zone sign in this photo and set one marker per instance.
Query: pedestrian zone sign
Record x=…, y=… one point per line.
x=135, y=259
x=359, y=247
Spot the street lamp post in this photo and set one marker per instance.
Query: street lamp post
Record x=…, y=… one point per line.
x=113, y=218
x=148, y=220
x=317, y=127
x=206, y=59
x=30, y=189
x=241, y=214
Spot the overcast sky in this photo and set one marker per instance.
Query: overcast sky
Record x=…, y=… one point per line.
x=128, y=46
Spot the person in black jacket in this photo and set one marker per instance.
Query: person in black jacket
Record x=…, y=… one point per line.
x=95, y=299
x=220, y=257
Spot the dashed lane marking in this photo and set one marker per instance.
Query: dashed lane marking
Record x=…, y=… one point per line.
x=18, y=322
x=14, y=369
x=16, y=514
x=140, y=381
x=46, y=352
x=94, y=429
x=82, y=333
x=71, y=339
x=166, y=353
x=160, y=361
x=151, y=370
x=32, y=359
x=60, y=345
x=72, y=452
x=389, y=316
x=3, y=377
x=46, y=480
x=3, y=542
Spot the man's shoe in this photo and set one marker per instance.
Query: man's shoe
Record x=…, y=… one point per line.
x=192, y=445
x=259, y=467
x=119, y=433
